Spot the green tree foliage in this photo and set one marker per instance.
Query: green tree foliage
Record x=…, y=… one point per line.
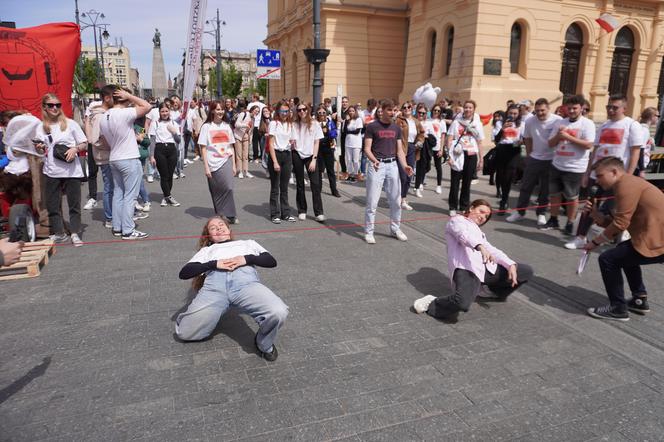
x=85, y=76
x=231, y=81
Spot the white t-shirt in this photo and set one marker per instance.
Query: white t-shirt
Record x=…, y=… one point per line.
x=615, y=138
x=227, y=250
x=512, y=134
x=153, y=115
x=159, y=130
x=469, y=140
x=217, y=139
x=282, y=134
x=648, y=146
x=71, y=136
x=354, y=141
x=117, y=126
x=540, y=133
x=437, y=128
x=176, y=116
x=305, y=138
x=257, y=118
x=570, y=157
x=412, y=130
x=368, y=116
x=88, y=110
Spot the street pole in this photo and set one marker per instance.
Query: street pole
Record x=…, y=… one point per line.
x=317, y=55
x=103, y=66
x=218, y=67
x=94, y=32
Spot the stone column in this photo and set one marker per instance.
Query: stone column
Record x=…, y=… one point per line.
x=649, y=91
x=159, y=86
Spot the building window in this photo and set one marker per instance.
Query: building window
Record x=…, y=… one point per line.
x=450, y=46
x=569, y=74
x=515, y=48
x=432, y=53
x=621, y=64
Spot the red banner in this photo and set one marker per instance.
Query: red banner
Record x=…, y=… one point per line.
x=36, y=61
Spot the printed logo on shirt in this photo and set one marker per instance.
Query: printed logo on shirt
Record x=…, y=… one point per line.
x=387, y=134
x=511, y=133
x=219, y=136
x=436, y=128
x=368, y=119
x=220, y=139
x=611, y=136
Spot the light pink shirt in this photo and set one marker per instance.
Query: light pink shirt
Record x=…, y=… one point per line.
x=462, y=236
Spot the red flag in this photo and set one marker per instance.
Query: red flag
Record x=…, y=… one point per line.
x=36, y=61
x=607, y=22
x=485, y=119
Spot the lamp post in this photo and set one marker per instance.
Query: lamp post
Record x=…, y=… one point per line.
x=316, y=56
x=202, y=83
x=216, y=25
x=91, y=19
x=104, y=34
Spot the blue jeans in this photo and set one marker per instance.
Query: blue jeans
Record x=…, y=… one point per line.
x=107, y=177
x=143, y=192
x=127, y=176
x=387, y=173
x=240, y=288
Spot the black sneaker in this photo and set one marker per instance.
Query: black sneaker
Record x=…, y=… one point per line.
x=569, y=227
x=502, y=208
x=638, y=305
x=271, y=356
x=608, y=312
x=551, y=224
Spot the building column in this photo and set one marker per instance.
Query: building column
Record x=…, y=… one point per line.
x=649, y=90
x=599, y=90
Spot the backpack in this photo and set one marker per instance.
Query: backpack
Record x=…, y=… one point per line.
x=101, y=150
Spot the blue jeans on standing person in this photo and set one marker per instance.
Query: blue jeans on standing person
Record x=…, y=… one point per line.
x=127, y=175
x=405, y=179
x=240, y=288
x=387, y=173
x=107, y=177
x=179, y=168
x=143, y=192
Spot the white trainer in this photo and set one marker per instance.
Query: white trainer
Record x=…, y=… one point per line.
x=418, y=193
x=453, y=213
x=76, y=240
x=302, y=216
x=514, y=217
x=150, y=179
x=164, y=203
x=248, y=175
x=541, y=220
x=90, y=204
x=146, y=206
x=320, y=218
x=439, y=190
x=406, y=206
x=400, y=235
x=138, y=206
x=369, y=238
x=577, y=243
x=240, y=175
x=422, y=305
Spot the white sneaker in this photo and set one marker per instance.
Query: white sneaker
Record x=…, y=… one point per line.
x=474, y=181
x=138, y=206
x=422, y=305
x=146, y=206
x=516, y=216
x=91, y=204
x=76, y=240
x=541, y=220
x=135, y=235
x=176, y=176
x=187, y=161
x=248, y=175
x=369, y=238
x=406, y=206
x=453, y=213
x=108, y=224
x=172, y=201
x=164, y=203
x=197, y=157
x=439, y=190
x=418, y=193
x=150, y=179
x=240, y=175
x=302, y=216
x=400, y=235
x=182, y=175
x=576, y=243
x=320, y=218
x=140, y=215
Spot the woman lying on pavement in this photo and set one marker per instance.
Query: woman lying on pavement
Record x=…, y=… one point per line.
x=225, y=276
x=472, y=262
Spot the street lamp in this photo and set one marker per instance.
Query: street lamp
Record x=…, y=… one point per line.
x=91, y=19
x=104, y=34
x=317, y=55
x=216, y=25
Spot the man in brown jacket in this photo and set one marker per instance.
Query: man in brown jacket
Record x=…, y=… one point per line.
x=638, y=209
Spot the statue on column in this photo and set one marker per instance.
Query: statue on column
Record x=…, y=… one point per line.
x=157, y=38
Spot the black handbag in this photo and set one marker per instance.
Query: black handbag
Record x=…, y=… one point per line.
x=60, y=152
x=489, y=166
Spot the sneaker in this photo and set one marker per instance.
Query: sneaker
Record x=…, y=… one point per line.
x=569, y=228
x=240, y=175
x=270, y=356
x=276, y=220
x=541, y=220
x=187, y=161
x=406, y=206
x=135, y=235
x=439, y=190
x=551, y=224
x=502, y=209
x=108, y=224
x=146, y=206
x=233, y=220
x=475, y=181
x=138, y=206
x=400, y=235
x=336, y=194
x=638, y=305
x=248, y=175
x=418, y=193
x=608, y=312
x=182, y=175
x=150, y=179
x=302, y=216
x=577, y=243
x=59, y=238
x=172, y=201
x=176, y=176
x=117, y=232
x=290, y=219
x=422, y=305
x=90, y=204
x=453, y=213
x=197, y=157
x=369, y=238
x=140, y=215
x=76, y=240
x=164, y=203
x=516, y=216
x=320, y=218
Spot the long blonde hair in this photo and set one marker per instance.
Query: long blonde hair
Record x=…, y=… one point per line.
x=46, y=118
x=205, y=241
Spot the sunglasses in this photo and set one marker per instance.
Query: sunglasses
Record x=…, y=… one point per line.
x=321, y=113
x=53, y=105
x=436, y=110
x=610, y=107
x=302, y=109
x=407, y=107
x=421, y=113
x=284, y=111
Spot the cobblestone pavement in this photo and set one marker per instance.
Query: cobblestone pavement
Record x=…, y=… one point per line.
x=88, y=351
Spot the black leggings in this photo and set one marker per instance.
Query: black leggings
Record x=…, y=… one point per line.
x=166, y=156
x=326, y=162
x=507, y=156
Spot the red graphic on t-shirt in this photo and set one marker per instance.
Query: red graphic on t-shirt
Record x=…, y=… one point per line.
x=436, y=128
x=611, y=136
x=511, y=132
x=219, y=136
x=368, y=119
x=387, y=134
x=572, y=132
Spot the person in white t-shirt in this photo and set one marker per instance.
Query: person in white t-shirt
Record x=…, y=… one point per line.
x=571, y=138
x=224, y=272
x=438, y=127
x=353, y=126
x=508, y=154
x=649, y=118
x=216, y=141
x=256, y=136
x=164, y=137
x=280, y=163
x=62, y=139
x=307, y=137
x=117, y=127
x=537, y=132
x=242, y=129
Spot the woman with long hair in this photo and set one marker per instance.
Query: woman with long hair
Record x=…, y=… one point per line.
x=280, y=164
x=243, y=125
x=412, y=133
x=508, y=153
x=472, y=262
x=266, y=117
x=63, y=139
x=326, y=149
x=649, y=118
x=164, y=139
x=353, y=126
x=307, y=137
x=429, y=149
x=224, y=272
x=216, y=140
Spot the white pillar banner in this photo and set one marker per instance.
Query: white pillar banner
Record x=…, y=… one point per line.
x=193, y=56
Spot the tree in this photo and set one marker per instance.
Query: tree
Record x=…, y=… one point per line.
x=85, y=76
x=231, y=81
x=259, y=87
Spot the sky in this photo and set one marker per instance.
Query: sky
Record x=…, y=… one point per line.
x=135, y=21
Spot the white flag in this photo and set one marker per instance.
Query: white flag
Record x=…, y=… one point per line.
x=193, y=55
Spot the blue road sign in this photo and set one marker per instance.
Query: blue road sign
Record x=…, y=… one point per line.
x=268, y=58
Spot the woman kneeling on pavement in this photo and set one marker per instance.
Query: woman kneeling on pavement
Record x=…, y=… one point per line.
x=472, y=262
x=225, y=276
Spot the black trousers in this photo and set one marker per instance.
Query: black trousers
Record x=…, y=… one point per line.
x=467, y=287
x=166, y=156
x=507, y=156
x=53, y=189
x=462, y=179
x=187, y=139
x=326, y=162
x=342, y=157
x=300, y=166
x=279, y=184
x=256, y=144
x=93, y=170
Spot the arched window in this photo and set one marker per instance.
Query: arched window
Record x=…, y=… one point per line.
x=569, y=74
x=621, y=65
x=432, y=54
x=515, y=48
x=450, y=46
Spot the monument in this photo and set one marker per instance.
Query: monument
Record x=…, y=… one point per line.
x=159, y=85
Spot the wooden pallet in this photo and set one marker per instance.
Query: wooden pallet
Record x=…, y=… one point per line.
x=33, y=257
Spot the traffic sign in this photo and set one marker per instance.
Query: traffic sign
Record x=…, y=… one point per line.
x=268, y=64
